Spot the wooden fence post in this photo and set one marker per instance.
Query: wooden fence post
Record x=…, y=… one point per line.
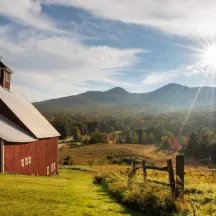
x=180, y=176
x=134, y=167
x=144, y=170
x=171, y=177
x=132, y=173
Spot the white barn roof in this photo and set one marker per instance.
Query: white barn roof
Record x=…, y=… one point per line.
x=12, y=133
x=27, y=113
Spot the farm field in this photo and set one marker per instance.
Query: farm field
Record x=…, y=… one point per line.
x=199, y=192
x=70, y=193
x=200, y=183
x=97, y=154
x=73, y=192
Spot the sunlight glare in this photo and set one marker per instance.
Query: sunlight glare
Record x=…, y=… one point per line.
x=210, y=56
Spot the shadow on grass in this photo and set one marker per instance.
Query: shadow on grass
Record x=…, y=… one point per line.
x=103, y=191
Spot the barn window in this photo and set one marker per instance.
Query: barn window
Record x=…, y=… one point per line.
x=29, y=160
x=26, y=161
x=54, y=166
x=51, y=167
x=22, y=162
x=48, y=170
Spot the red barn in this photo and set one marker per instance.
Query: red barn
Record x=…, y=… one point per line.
x=28, y=142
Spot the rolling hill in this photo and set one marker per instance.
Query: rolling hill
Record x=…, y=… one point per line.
x=171, y=97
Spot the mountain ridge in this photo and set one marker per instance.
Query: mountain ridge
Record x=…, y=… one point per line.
x=169, y=97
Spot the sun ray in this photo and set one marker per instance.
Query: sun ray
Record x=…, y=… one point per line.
x=193, y=102
x=212, y=100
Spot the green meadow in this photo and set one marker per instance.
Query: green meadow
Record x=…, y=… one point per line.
x=70, y=193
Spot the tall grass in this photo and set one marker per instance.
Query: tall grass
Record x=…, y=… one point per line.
x=153, y=199
x=139, y=195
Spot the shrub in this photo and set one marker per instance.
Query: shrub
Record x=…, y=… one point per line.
x=165, y=142
x=98, y=137
x=67, y=160
x=140, y=196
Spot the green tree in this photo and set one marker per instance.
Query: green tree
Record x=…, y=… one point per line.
x=199, y=143
x=77, y=134
x=104, y=138
x=86, y=139
x=165, y=142
x=168, y=134
x=151, y=138
x=191, y=144
x=129, y=138
x=143, y=138
x=63, y=129
x=97, y=137
x=135, y=138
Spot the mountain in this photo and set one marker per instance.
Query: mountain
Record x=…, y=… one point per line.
x=171, y=97
x=117, y=91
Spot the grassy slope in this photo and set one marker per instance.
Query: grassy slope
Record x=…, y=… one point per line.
x=97, y=153
x=200, y=186
x=70, y=193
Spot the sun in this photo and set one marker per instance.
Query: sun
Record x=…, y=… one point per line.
x=210, y=56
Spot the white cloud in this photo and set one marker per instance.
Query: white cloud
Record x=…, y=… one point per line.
x=55, y=66
x=27, y=12
x=153, y=79
x=193, y=18
x=186, y=71
x=160, y=77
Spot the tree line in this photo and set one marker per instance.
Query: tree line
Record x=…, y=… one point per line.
x=201, y=144
x=196, y=139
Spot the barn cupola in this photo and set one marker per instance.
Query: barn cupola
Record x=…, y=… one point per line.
x=5, y=76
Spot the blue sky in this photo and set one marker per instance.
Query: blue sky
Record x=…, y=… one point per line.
x=65, y=47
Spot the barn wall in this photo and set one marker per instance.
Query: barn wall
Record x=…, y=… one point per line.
x=6, y=84
x=1, y=156
x=43, y=153
x=3, y=82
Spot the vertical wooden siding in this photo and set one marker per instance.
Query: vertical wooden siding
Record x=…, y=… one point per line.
x=7, y=85
x=43, y=153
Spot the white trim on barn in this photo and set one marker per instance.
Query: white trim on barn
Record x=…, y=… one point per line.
x=2, y=156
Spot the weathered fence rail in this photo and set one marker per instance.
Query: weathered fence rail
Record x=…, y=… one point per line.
x=176, y=184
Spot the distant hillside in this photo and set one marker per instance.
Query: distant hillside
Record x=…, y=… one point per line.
x=171, y=97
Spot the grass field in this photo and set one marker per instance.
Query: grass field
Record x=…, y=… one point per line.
x=97, y=154
x=73, y=193
x=70, y=193
x=200, y=189
x=200, y=185
x=199, y=193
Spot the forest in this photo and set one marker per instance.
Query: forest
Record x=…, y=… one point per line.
x=195, y=136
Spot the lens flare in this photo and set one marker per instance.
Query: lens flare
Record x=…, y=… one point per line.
x=210, y=56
